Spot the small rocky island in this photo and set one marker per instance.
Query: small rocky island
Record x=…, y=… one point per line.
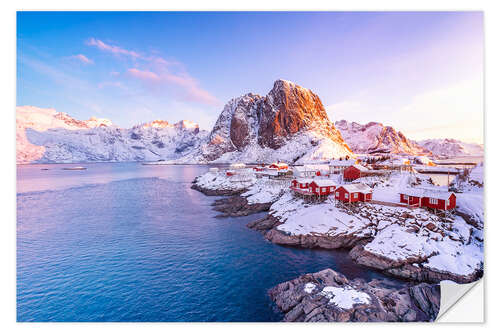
x=329, y=296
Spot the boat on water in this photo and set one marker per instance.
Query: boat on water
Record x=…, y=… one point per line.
x=75, y=168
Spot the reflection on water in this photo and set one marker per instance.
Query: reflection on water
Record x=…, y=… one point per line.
x=126, y=242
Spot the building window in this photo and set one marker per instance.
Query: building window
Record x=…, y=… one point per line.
x=337, y=194
x=405, y=197
x=355, y=195
x=323, y=190
x=433, y=201
x=346, y=196
x=331, y=188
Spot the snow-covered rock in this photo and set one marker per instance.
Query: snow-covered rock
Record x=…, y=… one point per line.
x=289, y=124
x=329, y=296
x=452, y=148
x=47, y=136
x=377, y=138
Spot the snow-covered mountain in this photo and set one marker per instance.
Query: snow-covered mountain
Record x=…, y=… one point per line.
x=288, y=124
x=377, y=138
x=47, y=136
x=452, y=148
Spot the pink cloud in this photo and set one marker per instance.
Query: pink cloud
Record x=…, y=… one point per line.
x=82, y=58
x=112, y=48
x=188, y=86
x=160, y=73
x=144, y=75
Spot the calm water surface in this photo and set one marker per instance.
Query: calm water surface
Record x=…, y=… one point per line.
x=128, y=242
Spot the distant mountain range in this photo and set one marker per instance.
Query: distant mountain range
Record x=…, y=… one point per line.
x=47, y=136
x=289, y=124
x=452, y=147
x=377, y=138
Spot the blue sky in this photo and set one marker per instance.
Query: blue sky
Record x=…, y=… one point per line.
x=420, y=72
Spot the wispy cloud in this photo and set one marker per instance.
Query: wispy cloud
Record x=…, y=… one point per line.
x=112, y=48
x=82, y=58
x=158, y=73
x=144, y=75
x=189, y=88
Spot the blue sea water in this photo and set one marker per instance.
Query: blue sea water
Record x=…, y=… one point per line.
x=129, y=242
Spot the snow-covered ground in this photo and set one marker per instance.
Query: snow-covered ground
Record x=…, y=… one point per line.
x=345, y=297
x=400, y=235
x=219, y=181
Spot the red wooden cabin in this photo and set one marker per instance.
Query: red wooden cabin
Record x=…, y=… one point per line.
x=430, y=199
x=354, y=172
x=301, y=183
x=354, y=193
x=322, y=186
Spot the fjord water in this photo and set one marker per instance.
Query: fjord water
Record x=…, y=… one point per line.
x=129, y=242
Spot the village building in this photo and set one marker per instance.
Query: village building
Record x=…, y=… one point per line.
x=237, y=166
x=354, y=192
x=301, y=183
x=311, y=170
x=279, y=166
x=338, y=166
x=267, y=173
x=322, y=186
x=355, y=171
x=303, y=171
x=430, y=199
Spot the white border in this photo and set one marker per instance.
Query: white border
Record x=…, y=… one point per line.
x=8, y=56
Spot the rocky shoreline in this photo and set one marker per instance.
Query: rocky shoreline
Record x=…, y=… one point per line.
x=407, y=269
x=330, y=296
x=216, y=192
x=235, y=205
x=238, y=206
x=358, y=229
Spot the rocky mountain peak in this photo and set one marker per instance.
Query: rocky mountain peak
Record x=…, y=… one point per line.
x=271, y=121
x=287, y=109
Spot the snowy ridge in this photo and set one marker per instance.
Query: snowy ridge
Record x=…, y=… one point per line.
x=452, y=148
x=47, y=136
x=377, y=138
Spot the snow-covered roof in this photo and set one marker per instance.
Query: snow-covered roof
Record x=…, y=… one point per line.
x=421, y=193
x=304, y=180
x=360, y=167
x=342, y=163
x=357, y=187
x=237, y=165
x=303, y=168
x=311, y=168
x=271, y=172
x=325, y=182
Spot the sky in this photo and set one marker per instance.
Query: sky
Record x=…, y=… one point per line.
x=420, y=72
